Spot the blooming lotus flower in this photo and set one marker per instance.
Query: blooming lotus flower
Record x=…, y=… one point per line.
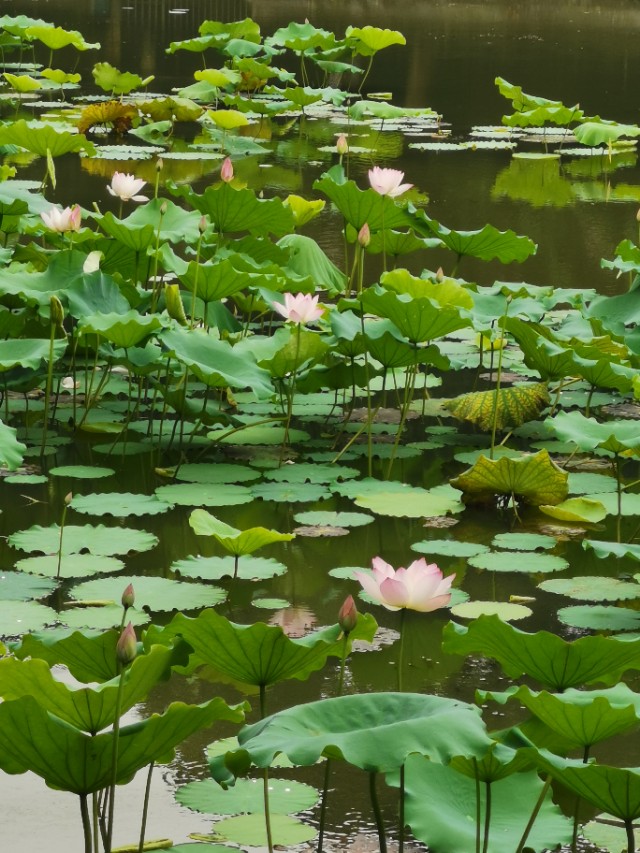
x=301, y=308
x=388, y=181
x=62, y=220
x=126, y=187
x=226, y=172
x=420, y=586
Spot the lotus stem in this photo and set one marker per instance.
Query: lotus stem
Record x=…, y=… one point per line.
x=401, y=813
x=323, y=804
x=96, y=825
x=382, y=838
x=367, y=377
x=62, y=521
x=487, y=817
x=534, y=814
x=631, y=842
x=195, y=281
x=47, y=393
x=86, y=824
x=478, y=803
x=494, y=425
x=403, y=616
x=618, y=467
x=114, y=762
x=145, y=808
x=406, y=403
x=291, y=393
x=366, y=73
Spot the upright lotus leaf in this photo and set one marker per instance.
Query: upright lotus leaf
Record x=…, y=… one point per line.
x=23, y=83
x=555, y=663
x=44, y=139
x=383, y=110
x=396, y=243
x=225, y=119
x=441, y=808
x=303, y=210
x=171, y=109
x=588, y=434
x=602, y=550
x=297, y=349
x=258, y=654
x=215, y=362
x=594, y=133
x=605, y=373
x=539, y=116
x=506, y=407
x=446, y=293
x=122, y=330
x=487, y=244
x=369, y=40
x=59, y=77
x=535, y=479
x=237, y=542
x=215, y=280
x=627, y=258
x=95, y=293
x=363, y=206
x=233, y=210
x=56, y=38
x=89, y=709
x=302, y=37
x=541, y=352
x=28, y=353
x=11, y=450
x=375, y=732
x=499, y=762
x=70, y=760
x=521, y=100
x=308, y=259
x=109, y=79
x=158, y=219
x=418, y=319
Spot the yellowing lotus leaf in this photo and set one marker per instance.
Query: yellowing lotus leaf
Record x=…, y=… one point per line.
x=510, y=407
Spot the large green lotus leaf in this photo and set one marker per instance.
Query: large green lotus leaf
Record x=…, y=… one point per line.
x=588, y=434
x=169, y=221
x=306, y=258
x=301, y=349
x=158, y=594
x=506, y=407
x=369, y=40
x=44, y=139
x=600, y=617
x=16, y=617
x=17, y=586
x=138, y=239
x=124, y=330
x=604, y=373
x=302, y=37
x=487, y=244
x=576, y=509
x=215, y=472
x=292, y=493
x=11, y=450
x=247, y=795
x=539, y=116
x=407, y=501
x=607, y=549
x=375, y=732
x=56, y=38
x=521, y=100
x=119, y=504
x=441, y=808
x=593, y=588
x=617, y=314
x=28, y=353
x=447, y=292
x=88, y=658
x=587, y=482
x=506, y=610
x=615, y=790
x=89, y=709
x=69, y=760
x=522, y=561
x=214, y=281
x=541, y=353
x=237, y=542
x=99, y=539
x=556, y=663
x=233, y=210
x=205, y=494
x=363, y=206
x=593, y=133
x=536, y=479
x=117, y=82
x=71, y=565
x=214, y=568
x=259, y=654
x=499, y=762
x=99, y=618
x=629, y=503
x=249, y=829
x=215, y=363
x=418, y=319
x=81, y=472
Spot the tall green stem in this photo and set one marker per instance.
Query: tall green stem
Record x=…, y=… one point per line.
x=534, y=815
x=47, y=393
x=292, y=391
x=494, y=425
x=382, y=838
x=86, y=823
x=487, y=817
x=631, y=842
x=114, y=762
x=403, y=616
x=265, y=777
x=145, y=808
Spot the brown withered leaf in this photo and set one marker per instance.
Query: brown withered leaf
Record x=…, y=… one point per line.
x=112, y=114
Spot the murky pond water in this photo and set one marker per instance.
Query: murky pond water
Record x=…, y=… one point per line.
x=577, y=211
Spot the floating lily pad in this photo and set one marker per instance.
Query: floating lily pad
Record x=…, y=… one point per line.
x=71, y=565
x=250, y=830
x=601, y=617
x=81, y=472
x=449, y=548
x=409, y=501
x=583, y=483
x=101, y=618
x=158, y=594
x=247, y=795
x=129, y=448
x=119, y=504
x=506, y=610
x=309, y=472
x=214, y=568
x=99, y=539
x=20, y=617
x=328, y=518
x=16, y=586
x=523, y=541
x=630, y=502
x=346, y=572
x=522, y=561
x=291, y=493
x=592, y=588
x=216, y=472
x=204, y=494
x=271, y=603
x=25, y=479
x=257, y=435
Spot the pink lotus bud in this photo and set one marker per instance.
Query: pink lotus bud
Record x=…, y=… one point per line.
x=202, y=225
x=226, y=173
x=342, y=146
x=128, y=597
x=127, y=646
x=348, y=615
x=364, y=236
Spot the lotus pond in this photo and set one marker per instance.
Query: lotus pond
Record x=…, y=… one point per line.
x=243, y=356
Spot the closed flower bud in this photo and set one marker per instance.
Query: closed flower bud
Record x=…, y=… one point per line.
x=127, y=646
x=128, y=597
x=57, y=311
x=364, y=236
x=68, y=498
x=342, y=146
x=202, y=225
x=163, y=208
x=159, y=164
x=439, y=275
x=226, y=172
x=348, y=615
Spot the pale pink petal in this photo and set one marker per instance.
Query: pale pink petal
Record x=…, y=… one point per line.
x=370, y=586
x=394, y=593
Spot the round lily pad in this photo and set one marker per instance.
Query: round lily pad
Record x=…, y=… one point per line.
x=129, y=448
x=523, y=541
x=256, y=435
x=522, y=561
x=204, y=494
x=25, y=479
x=291, y=492
x=346, y=572
x=216, y=472
x=630, y=502
x=448, y=548
x=95, y=539
x=506, y=610
x=271, y=603
x=310, y=472
x=585, y=482
x=20, y=617
x=81, y=472
x=320, y=531
x=158, y=594
x=101, y=618
x=214, y=568
x=71, y=565
x=247, y=795
x=119, y=504
x=250, y=830
x=17, y=586
x=592, y=588
x=330, y=518
x=601, y=617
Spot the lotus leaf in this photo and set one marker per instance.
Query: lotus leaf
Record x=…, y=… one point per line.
x=44, y=139
x=70, y=565
x=119, y=504
x=506, y=407
x=608, y=549
x=158, y=594
x=369, y=40
x=533, y=478
x=576, y=509
x=237, y=542
x=363, y=206
x=588, y=434
x=214, y=568
x=98, y=540
x=285, y=797
x=56, y=38
x=250, y=830
x=600, y=617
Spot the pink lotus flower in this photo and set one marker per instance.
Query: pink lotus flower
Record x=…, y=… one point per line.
x=62, y=220
x=126, y=187
x=301, y=308
x=419, y=587
x=226, y=172
x=387, y=181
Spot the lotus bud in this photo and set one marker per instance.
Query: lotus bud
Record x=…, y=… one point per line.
x=226, y=173
x=127, y=646
x=364, y=236
x=57, y=311
x=342, y=146
x=348, y=615
x=202, y=225
x=163, y=208
x=68, y=498
x=638, y=215
x=159, y=164
x=128, y=597
x=439, y=275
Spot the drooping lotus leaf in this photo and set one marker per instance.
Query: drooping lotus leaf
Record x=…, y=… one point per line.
x=588, y=434
x=441, y=809
x=306, y=258
x=303, y=37
x=363, y=206
x=158, y=594
x=56, y=38
x=110, y=79
x=23, y=83
x=88, y=658
x=521, y=100
x=594, y=133
x=94, y=539
x=556, y=663
x=30, y=353
x=213, y=281
x=124, y=330
x=258, y=654
x=11, y=450
x=44, y=139
x=112, y=114
x=535, y=479
x=576, y=509
x=369, y=40
x=158, y=219
x=445, y=292
x=237, y=542
x=247, y=795
x=539, y=116
x=629, y=502
x=119, y=504
x=506, y=407
x=69, y=760
x=375, y=732
x=607, y=549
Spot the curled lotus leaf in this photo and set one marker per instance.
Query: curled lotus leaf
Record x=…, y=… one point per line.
x=112, y=114
x=506, y=407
